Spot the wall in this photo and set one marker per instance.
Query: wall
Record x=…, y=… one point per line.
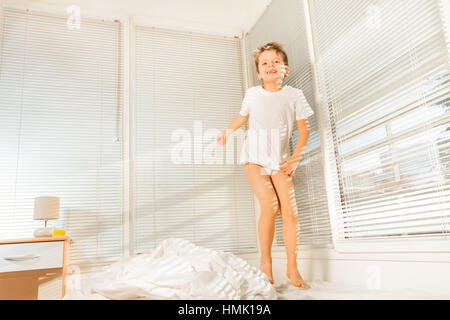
x=230, y=17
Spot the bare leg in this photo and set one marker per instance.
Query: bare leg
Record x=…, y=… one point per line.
x=262, y=187
x=291, y=228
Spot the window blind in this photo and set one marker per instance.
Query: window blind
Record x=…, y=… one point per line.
x=384, y=75
x=309, y=182
x=60, y=129
x=188, y=89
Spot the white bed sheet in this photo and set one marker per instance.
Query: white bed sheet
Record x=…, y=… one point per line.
x=176, y=269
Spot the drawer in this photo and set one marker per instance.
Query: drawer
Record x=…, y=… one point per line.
x=31, y=256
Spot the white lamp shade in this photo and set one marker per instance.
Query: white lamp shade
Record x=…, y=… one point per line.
x=46, y=208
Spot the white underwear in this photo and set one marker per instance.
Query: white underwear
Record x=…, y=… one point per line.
x=267, y=171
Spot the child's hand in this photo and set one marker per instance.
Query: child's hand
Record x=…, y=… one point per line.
x=289, y=165
x=222, y=138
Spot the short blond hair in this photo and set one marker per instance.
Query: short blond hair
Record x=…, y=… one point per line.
x=270, y=46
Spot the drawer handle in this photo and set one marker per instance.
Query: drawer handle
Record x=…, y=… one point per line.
x=22, y=257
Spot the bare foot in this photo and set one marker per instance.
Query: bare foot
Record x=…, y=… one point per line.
x=296, y=278
x=266, y=267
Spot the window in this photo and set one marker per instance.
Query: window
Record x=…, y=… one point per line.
x=60, y=130
x=188, y=89
x=384, y=73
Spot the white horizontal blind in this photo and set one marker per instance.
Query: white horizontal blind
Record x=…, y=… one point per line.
x=60, y=127
x=384, y=72
x=284, y=22
x=188, y=89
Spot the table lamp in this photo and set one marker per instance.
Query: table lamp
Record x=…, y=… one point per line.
x=45, y=208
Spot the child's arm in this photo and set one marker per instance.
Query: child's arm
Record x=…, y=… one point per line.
x=289, y=165
x=237, y=122
x=303, y=135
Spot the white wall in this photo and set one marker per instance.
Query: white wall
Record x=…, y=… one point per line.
x=230, y=17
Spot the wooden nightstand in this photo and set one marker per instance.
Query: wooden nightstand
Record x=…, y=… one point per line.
x=21, y=258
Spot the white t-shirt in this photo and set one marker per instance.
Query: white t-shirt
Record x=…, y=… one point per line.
x=271, y=124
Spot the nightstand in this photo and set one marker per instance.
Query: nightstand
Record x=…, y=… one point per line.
x=24, y=259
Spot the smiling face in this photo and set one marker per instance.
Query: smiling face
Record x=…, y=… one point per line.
x=269, y=65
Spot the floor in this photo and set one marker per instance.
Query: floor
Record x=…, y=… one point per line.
x=321, y=290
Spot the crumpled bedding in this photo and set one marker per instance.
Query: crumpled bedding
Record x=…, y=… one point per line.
x=177, y=269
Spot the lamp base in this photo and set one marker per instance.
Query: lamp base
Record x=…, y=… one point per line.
x=43, y=232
